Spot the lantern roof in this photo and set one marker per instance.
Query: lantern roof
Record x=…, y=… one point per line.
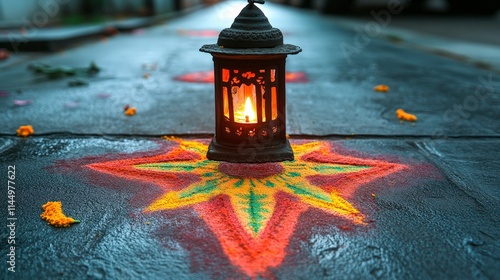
x=251, y=34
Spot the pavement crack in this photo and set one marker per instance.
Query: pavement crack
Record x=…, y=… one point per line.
x=433, y=156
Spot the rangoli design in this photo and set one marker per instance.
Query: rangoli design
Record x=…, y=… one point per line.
x=253, y=209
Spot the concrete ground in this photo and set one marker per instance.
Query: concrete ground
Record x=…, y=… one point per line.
x=436, y=220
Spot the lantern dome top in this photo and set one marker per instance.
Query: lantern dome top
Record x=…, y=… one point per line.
x=251, y=33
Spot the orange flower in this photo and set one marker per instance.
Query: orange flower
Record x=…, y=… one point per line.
x=130, y=111
x=381, y=88
x=53, y=214
x=25, y=130
x=402, y=115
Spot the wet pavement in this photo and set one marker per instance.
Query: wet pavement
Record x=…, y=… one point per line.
x=436, y=218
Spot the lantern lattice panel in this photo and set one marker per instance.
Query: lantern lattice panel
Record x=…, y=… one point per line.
x=250, y=102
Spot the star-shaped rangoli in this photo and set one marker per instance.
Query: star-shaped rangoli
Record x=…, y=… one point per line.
x=253, y=208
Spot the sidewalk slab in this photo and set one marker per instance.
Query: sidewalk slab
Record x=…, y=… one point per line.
x=449, y=98
x=482, y=53
x=53, y=39
x=48, y=39
x=435, y=219
x=367, y=196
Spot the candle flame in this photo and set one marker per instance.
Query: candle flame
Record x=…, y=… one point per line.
x=249, y=112
x=246, y=112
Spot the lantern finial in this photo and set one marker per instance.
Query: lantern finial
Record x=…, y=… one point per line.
x=251, y=2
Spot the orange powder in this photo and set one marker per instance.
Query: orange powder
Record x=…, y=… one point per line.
x=53, y=214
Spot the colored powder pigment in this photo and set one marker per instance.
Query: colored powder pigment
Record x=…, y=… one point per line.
x=53, y=214
x=252, y=209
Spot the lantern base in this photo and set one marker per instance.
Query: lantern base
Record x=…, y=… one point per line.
x=277, y=153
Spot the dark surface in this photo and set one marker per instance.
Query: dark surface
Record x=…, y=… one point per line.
x=443, y=227
x=438, y=224
x=340, y=92
x=32, y=39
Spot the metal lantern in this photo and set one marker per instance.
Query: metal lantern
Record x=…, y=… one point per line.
x=250, y=110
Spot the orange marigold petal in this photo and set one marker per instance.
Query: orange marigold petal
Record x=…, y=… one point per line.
x=25, y=130
x=402, y=115
x=381, y=88
x=53, y=214
x=130, y=111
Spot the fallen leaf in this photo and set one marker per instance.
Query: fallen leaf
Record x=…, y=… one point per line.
x=72, y=104
x=111, y=31
x=22, y=102
x=77, y=83
x=56, y=72
x=103, y=95
x=138, y=31
x=4, y=54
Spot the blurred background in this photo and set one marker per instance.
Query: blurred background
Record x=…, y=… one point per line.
x=47, y=21
x=482, y=7
x=12, y=13
x=475, y=21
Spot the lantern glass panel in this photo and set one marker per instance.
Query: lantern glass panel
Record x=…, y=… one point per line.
x=225, y=75
x=244, y=103
x=226, y=102
x=249, y=96
x=263, y=91
x=274, y=102
x=249, y=102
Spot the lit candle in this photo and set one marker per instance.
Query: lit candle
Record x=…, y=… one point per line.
x=249, y=113
x=246, y=112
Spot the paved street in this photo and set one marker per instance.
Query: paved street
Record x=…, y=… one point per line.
x=368, y=197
